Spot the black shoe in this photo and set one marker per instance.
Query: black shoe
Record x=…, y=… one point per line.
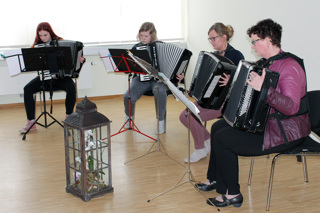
x=236, y=201
x=205, y=187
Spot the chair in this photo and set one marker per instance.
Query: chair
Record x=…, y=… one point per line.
x=310, y=147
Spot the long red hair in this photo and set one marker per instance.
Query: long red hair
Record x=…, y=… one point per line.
x=46, y=27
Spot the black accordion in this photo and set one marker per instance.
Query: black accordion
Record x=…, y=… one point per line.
x=76, y=48
x=246, y=109
x=168, y=58
x=205, y=86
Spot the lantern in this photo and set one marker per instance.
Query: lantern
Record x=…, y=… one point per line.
x=87, y=152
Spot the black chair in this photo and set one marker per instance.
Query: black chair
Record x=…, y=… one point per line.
x=310, y=147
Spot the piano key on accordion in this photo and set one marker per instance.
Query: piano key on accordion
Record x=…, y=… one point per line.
x=168, y=58
x=205, y=86
x=76, y=48
x=246, y=109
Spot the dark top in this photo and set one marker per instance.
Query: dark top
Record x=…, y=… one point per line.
x=234, y=55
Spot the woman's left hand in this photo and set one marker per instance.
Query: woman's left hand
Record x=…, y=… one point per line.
x=255, y=80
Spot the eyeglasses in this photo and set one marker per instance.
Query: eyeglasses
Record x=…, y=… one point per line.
x=213, y=38
x=255, y=41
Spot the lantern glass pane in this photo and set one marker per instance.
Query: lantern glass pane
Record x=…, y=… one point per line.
x=97, y=159
x=74, y=152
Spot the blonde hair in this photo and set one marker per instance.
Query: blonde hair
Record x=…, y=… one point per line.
x=148, y=26
x=222, y=29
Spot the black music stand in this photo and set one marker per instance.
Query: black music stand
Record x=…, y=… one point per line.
x=41, y=59
x=123, y=63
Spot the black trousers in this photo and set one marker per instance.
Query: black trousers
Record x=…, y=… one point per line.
x=227, y=144
x=35, y=85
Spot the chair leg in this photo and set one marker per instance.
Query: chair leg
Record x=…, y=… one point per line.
x=271, y=180
x=305, y=170
x=251, y=170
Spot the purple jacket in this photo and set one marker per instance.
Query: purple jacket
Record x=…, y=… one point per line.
x=286, y=99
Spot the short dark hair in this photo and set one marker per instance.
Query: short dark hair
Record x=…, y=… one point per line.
x=267, y=28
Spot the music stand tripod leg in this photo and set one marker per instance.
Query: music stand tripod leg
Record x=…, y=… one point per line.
x=44, y=113
x=132, y=125
x=157, y=141
x=190, y=178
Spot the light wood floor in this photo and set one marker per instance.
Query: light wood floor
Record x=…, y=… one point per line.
x=33, y=171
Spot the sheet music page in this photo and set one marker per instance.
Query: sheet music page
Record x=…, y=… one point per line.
x=15, y=61
x=107, y=60
x=180, y=96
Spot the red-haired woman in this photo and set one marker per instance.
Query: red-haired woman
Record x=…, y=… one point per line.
x=44, y=35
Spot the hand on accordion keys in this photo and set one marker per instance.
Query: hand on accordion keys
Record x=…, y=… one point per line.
x=255, y=80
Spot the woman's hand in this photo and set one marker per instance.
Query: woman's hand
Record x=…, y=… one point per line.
x=180, y=77
x=225, y=79
x=255, y=80
x=82, y=59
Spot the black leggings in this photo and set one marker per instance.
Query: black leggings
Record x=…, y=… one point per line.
x=227, y=144
x=35, y=85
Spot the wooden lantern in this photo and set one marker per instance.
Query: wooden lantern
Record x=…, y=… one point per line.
x=87, y=152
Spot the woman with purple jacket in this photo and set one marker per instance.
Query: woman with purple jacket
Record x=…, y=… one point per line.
x=227, y=143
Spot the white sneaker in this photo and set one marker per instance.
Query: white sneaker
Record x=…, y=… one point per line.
x=161, y=127
x=126, y=118
x=197, y=155
x=207, y=145
x=25, y=129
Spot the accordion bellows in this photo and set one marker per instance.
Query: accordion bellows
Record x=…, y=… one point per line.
x=168, y=58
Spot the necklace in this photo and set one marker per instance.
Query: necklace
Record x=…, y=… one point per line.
x=221, y=52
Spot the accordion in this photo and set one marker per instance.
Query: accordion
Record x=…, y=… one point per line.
x=246, y=109
x=76, y=48
x=168, y=58
x=205, y=86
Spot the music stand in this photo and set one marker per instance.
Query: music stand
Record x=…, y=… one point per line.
x=41, y=59
x=121, y=62
x=190, y=108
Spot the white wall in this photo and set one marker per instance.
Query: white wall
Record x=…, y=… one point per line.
x=299, y=20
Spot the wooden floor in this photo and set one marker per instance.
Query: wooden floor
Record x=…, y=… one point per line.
x=33, y=171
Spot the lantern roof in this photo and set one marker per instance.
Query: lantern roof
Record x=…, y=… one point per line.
x=86, y=115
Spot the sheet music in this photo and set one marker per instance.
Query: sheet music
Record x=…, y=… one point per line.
x=180, y=96
x=107, y=60
x=15, y=61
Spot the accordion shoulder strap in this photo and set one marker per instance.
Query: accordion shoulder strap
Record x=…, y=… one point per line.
x=304, y=106
x=303, y=109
